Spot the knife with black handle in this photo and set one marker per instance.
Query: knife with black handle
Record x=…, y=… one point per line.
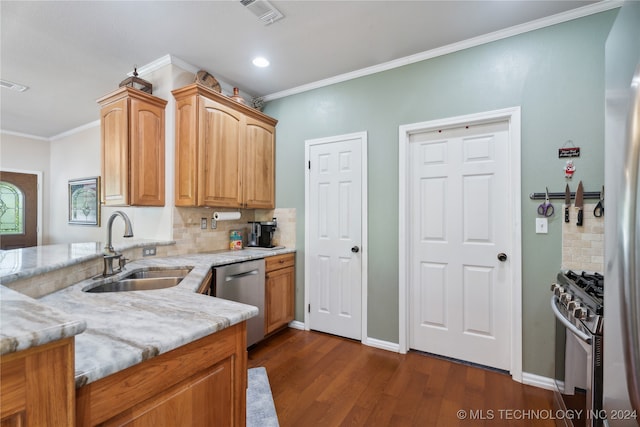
x=567, y=202
x=580, y=203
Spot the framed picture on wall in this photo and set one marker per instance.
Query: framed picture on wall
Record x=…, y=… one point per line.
x=84, y=201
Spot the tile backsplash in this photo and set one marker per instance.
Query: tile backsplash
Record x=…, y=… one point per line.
x=190, y=238
x=583, y=247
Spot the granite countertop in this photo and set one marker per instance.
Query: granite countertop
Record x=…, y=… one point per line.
x=126, y=328
x=19, y=264
x=26, y=323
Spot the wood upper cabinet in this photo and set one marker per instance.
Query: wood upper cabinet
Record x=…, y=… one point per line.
x=224, y=151
x=133, y=152
x=221, y=140
x=259, y=165
x=280, y=287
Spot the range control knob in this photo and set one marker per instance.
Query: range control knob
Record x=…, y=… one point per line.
x=565, y=297
x=572, y=305
x=559, y=290
x=554, y=286
x=580, y=313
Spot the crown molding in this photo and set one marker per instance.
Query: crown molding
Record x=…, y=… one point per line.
x=163, y=62
x=24, y=135
x=73, y=131
x=559, y=18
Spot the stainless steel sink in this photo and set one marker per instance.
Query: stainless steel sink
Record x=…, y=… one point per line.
x=142, y=280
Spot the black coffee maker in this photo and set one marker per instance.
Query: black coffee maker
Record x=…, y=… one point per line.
x=261, y=233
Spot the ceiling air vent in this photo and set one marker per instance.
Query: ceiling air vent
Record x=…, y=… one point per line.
x=263, y=10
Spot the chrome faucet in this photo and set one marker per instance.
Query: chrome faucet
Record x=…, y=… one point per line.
x=109, y=254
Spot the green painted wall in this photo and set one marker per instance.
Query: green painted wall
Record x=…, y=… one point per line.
x=555, y=74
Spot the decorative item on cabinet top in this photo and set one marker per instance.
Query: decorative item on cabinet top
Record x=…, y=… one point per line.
x=200, y=89
x=236, y=96
x=137, y=83
x=207, y=80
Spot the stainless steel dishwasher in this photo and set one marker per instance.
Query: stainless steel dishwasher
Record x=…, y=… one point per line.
x=244, y=282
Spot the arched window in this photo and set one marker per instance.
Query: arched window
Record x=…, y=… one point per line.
x=11, y=209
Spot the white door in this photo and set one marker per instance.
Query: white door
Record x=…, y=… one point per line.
x=334, y=235
x=459, y=290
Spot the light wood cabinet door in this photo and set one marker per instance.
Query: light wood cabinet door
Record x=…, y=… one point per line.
x=221, y=139
x=186, y=151
x=280, y=278
x=132, y=146
x=259, y=165
x=114, y=129
x=147, y=153
x=204, y=400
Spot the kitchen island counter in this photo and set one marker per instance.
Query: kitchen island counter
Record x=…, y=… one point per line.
x=126, y=328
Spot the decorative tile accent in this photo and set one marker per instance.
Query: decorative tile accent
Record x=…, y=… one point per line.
x=583, y=247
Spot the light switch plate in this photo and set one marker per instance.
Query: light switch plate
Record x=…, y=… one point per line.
x=203, y=223
x=542, y=226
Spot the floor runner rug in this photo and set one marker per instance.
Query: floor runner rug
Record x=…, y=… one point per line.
x=261, y=411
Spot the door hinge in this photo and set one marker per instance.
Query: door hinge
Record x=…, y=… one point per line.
x=309, y=308
x=309, y=164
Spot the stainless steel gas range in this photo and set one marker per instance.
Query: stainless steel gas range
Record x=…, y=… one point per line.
x=577, y=303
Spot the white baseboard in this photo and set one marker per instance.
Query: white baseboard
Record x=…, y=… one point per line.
x=538, y=381
x=371, y=342
x=296, y=324
x=384, y=345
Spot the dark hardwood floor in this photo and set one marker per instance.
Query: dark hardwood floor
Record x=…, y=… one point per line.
x=323, y=380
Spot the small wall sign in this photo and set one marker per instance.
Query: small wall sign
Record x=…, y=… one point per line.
x=568, y=150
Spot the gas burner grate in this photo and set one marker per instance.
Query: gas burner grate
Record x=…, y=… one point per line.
x=591, y=284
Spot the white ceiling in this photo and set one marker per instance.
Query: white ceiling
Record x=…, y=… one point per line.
x=70, y=53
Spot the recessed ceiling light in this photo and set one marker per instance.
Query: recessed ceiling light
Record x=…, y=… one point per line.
x=260, y=62
x=13, y=86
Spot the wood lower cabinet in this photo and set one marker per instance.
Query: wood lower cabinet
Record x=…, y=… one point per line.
x=200, y=384
x=279, y=291
x=37, y=386
x=225, y=152
x=133, y=152
x=205, y=287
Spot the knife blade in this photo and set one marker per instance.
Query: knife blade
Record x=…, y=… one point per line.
x=579, y=203
x=567, y=202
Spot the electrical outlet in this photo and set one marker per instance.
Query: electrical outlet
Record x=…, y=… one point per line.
x=149, y=251
x=542, y=226
x=214, y=224
x=203, y=223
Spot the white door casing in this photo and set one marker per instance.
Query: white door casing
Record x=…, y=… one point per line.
x=459, y=208
x=335, y=241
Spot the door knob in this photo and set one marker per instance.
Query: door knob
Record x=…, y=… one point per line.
x=355, y=249
x=502, y=257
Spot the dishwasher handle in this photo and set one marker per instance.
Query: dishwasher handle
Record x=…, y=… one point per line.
x=231, y=277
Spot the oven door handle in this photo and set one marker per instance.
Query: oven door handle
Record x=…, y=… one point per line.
x=570, y=326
